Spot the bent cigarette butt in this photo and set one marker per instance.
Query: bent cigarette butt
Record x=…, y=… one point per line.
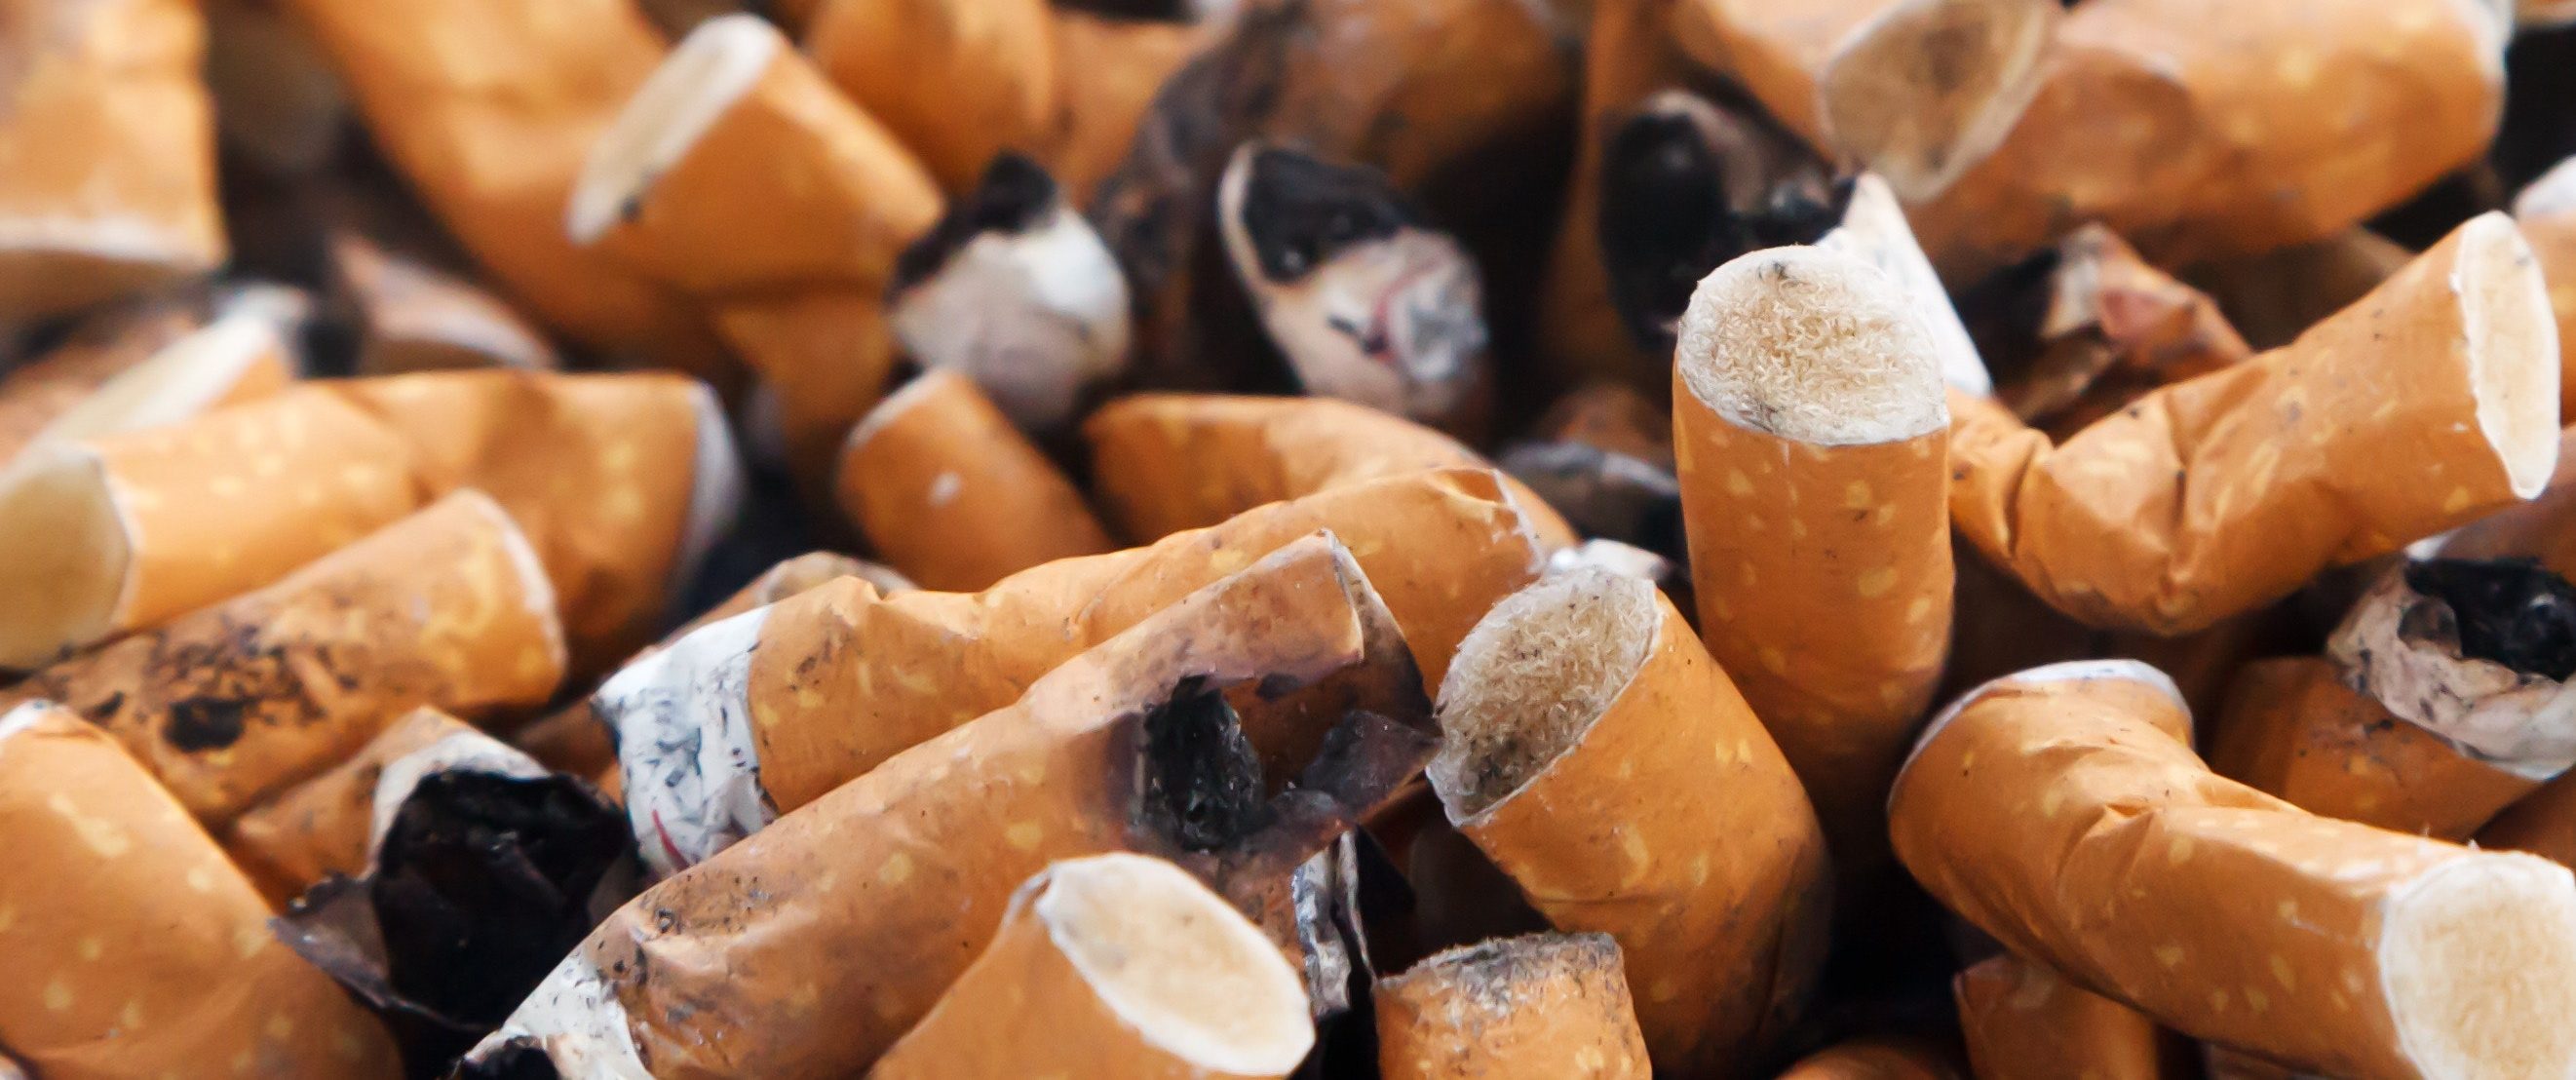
x=1114, y=965
x=2109, y=328
x=146, y=526
x=1129, y=747
x=1810, y=430
x=1168, y=462
x=2025, y=1022
x=1539, y=1005
x=805, y=695
x=415, y=317
x=493, y=138
x=2444, y=377
x=2045, y=805
x=2546, y=210
x=1015, y=289
x=1918, y=91
x=231, y=704
x=956, y=81
x=135, y=948
x=322, y=826
x=155, y=362
x=1597, y=755
x=946, y=490
x=1878, y=1059
x=107, y=154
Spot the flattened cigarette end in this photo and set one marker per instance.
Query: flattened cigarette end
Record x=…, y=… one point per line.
x=2512, y=348
x=705, y=75
x=1814, y=346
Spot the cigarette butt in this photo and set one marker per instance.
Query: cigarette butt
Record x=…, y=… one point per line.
x=1100, y=755
x=1878, y=1059
x=149, y=525
x=2110, y=328
x=1918, y=91
x=492, y=139
x=825, y=686
x=2474, y=652
x=956, y=81
x=1540, y=1005
x=135, y=948
x=1114, y=966
x=2048, y=805
x=1813, y=486
x=1102, y=97
x=416, y=317
x=323, y=825
x=795, y=276
x=156, y=361
x=108, y=155
x=2275, y=296
x=231, y=704
x=1168, y=462
x=2420, y=408
x=2546, y=210
x=952, y=495
x=1597, y=755
x=2152, y=121
x=2025, y=1022
x=277, y=102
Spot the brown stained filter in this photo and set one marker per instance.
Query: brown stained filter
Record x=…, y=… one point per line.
x=2275, y=296
x=827, y=685
x=2547, y=213
x=1115, y=965
x=1918, y=91
x=145, y=526
x=2049, y=805
x=2152, y=120
x=956, y=81
x=742, y=178
x=157, y=361
x=231, y=704
x=808, y=949
x=946, y=490
x=415, y=317
x=2417, y=409
x=1878, y=1059
x=322, y=826
x=2025, y=1022
x=1552, y=1005
x=134, y=947
x=1104, y=91
x=620, y=481
x=1810, y=434
x=488, y=107
x=1594, y=752
x=2112, y=328
x=107, y=153
x=1168, y=462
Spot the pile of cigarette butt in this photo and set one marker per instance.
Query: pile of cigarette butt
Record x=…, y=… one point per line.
x=1335, y=539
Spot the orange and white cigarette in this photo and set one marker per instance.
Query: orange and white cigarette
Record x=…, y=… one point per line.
x=1597, y=755
x=956, y=81
x=1115, y=965
x=107, y=154
x=1880, y=1058
x=1168, y=462
x=2110, y=328
x=1537, y=1005
x=1918, y=91
x=135, y=948
x=2422, y=407
x=954, y=497
x=2151, y=120
x=742, y=178
x=1810, y=430
x=2025, y=1022
x=321, y=826
x=233, y=703
x=1131, y=746
x=493, y=137
x=156, y=361
x=2062, y=811
x=785, y=703
x=2546, y=210
x=412, y=316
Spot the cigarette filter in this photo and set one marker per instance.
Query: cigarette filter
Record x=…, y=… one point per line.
x=952, y=495
x=740, y=176
x=956, y=81
x=2026, y=1022
x=156, y=361
x=487, y=107
x=134, y=947
x=1115, y=966
x=1594, y=752
x=2546, y=210
x=789, y=702
x=807, y=950
x=2418, y=409
x=1918, y=91
x=2049, y=805
x=2151, y=120
x=1810, y=433
x=1168, y=462
x=1538, y=1005
x=322, y=826
x=1876, y=1059
x=2110, y=328
x=415, y=317
x=107, y=154
x=233, y=703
